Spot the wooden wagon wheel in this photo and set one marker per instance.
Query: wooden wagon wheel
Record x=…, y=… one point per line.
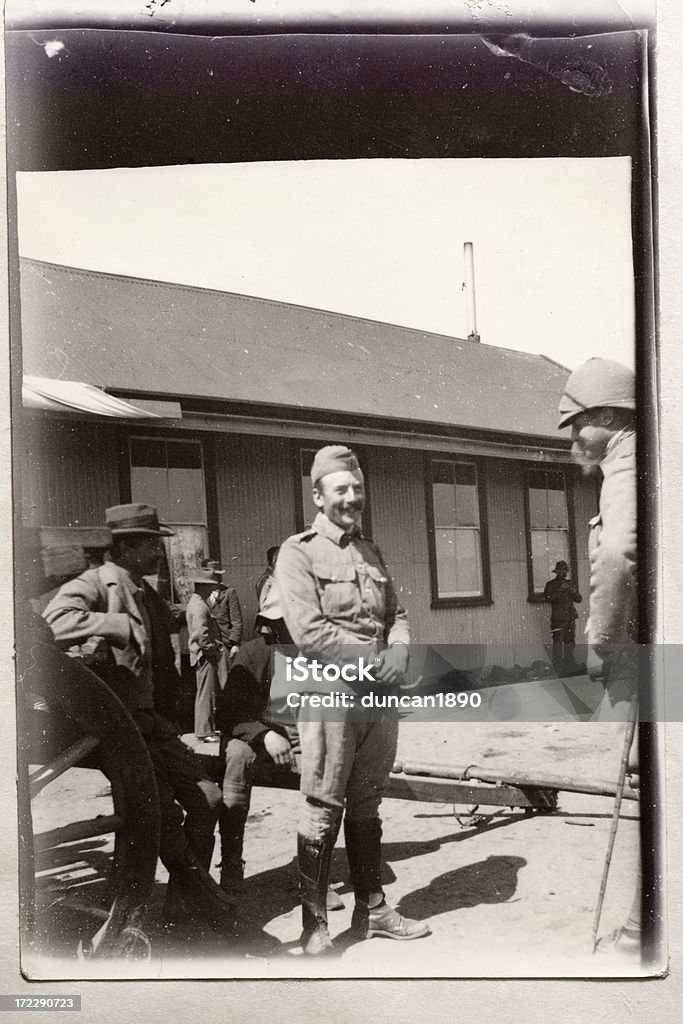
x=101, y=731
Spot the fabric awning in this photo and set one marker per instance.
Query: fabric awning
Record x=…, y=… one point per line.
x=74, y=396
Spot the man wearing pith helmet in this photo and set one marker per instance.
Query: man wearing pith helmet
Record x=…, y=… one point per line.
x=337, y=597
x=599, y=405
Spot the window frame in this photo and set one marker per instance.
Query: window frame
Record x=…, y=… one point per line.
x=464, y=601
x=166, y=440
x=208, y=470
x=536, y=596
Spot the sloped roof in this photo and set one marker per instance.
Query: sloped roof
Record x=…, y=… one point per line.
x=137, y=336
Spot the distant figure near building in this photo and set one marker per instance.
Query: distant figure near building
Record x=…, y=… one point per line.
x=206, y=651
x=562, y=595
x=227, y=611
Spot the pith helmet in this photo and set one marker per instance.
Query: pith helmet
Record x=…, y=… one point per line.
x=596, y=384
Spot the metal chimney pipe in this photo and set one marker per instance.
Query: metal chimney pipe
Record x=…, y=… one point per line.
x=470, y=295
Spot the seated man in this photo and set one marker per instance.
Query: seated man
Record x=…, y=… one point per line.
x=258, y=750
x=114, y=602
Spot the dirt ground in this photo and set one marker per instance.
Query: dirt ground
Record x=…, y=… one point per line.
x=505, y=893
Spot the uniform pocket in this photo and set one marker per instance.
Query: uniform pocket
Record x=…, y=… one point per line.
x=337, y=586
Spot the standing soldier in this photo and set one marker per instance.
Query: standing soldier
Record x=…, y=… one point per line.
x=336, y=596
x=599, y=405
x=562, y=595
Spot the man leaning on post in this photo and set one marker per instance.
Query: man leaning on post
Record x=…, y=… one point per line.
x=114, y=602
x=336, y=597
x=599, y=405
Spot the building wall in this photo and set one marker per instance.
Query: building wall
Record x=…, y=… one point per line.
x=68, y=471
x=255, y=497
x=70, y=474
x=399, y=523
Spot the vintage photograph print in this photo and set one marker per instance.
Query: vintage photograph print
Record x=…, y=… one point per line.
x=332, y=345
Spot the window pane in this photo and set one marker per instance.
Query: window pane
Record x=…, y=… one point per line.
x=186, y=496
x=444, y=505
x=150, y=485
x=467, y=506
x=456, y=528
x=538, y=508
x=557, y=510
x=184, y=454
x=547, y=548
x=537, y=478
x=465, y=473
x=468, y=562
x=458, y=560
x=443, y=472
x=144, y=452
x=555, y=481
x=446, y=563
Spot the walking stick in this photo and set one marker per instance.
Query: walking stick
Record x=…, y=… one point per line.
x=623, y=766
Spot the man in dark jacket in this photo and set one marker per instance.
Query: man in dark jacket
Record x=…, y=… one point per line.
x=562, y=595
x=227, y=611
x=114, y=602
x=258, y=749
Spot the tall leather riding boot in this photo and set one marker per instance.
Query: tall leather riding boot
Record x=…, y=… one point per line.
x=364, y=852
x=231, y=822
x=314, y=856
x=201, y=842
x=193, y=890
x=372, y=915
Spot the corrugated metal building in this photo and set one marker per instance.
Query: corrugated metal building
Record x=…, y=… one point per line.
x=471, y=491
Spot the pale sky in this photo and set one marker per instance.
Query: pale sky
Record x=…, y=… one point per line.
x=381, y=239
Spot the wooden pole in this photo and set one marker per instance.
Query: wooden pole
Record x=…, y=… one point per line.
x=623, y=766
x=564, y=783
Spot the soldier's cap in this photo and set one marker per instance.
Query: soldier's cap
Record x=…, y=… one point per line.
x=133, y=518
x=212, y=566
x=598, y=383
x=206, y=579
x=561, y=566
x=331, y=459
